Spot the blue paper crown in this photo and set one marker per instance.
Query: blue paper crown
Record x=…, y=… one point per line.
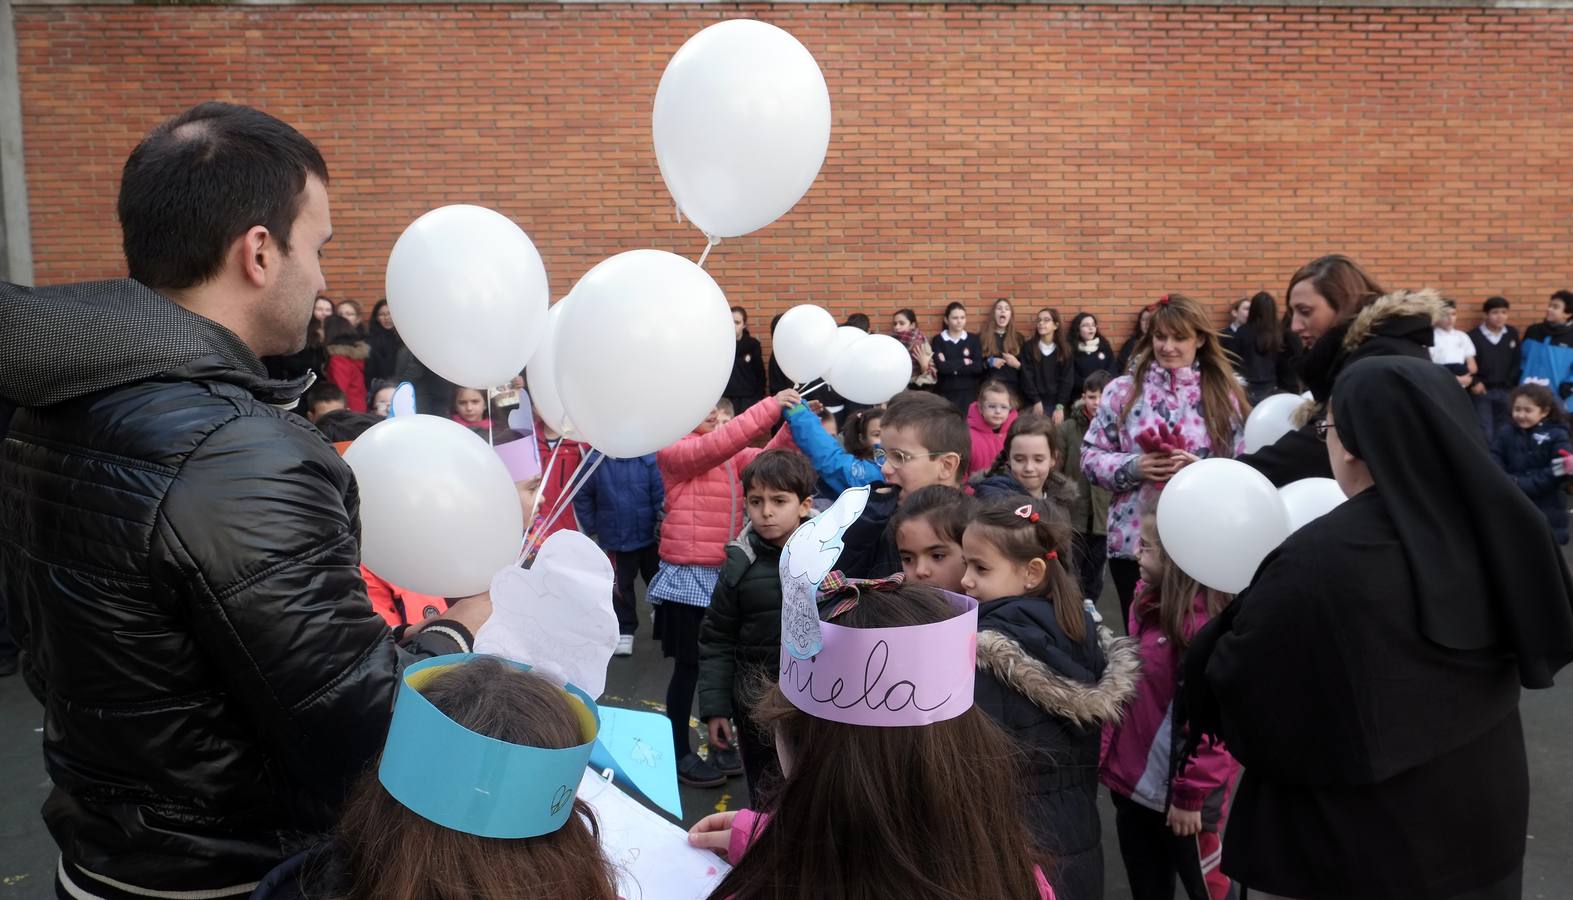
x=476, y=784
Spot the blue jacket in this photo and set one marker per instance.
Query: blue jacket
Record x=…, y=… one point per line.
x=620, y=503
x=836, y=467
x=1526, y=455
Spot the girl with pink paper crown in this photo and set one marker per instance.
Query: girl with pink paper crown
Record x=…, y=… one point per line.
x=895, y=785
x=1169, y=811
x=1048, y=674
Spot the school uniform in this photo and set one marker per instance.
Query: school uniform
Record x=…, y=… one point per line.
x=1497, y=365
x=959, y=363
x=1046, y=377
x=1096, y=356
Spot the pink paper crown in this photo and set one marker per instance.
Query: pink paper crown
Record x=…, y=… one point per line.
x=888, y=677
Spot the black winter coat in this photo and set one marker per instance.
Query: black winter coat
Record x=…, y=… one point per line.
x=1526, y=455
x=741, y=635
x=383, y=365
x=1264, y=373
x=1084, y=364
x=1046, y=379
x=747, y=384
x=869, y=545
x=1054, y=695
x=181, y=560
x=961, y=371
x=1364, y=742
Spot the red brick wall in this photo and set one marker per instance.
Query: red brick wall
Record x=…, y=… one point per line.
x=1086, y=157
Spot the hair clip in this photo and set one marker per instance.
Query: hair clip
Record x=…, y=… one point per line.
x=1052, y=555
x=1027, y=513
x=1164, y=300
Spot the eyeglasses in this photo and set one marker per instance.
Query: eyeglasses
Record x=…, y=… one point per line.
x=899, y=458
x=1321, y=428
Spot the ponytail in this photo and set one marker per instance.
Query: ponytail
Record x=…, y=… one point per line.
x=1023, y=530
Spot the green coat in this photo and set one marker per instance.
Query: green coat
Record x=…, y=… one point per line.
x=1090, y=513
x=740, y=641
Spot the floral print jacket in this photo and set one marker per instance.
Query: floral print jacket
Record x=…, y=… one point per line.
x=1110, y=451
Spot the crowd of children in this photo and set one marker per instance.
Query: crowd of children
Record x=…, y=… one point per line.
x=1015, y=473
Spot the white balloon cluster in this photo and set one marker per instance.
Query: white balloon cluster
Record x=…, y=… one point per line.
x=638, y=352
x=862, y=367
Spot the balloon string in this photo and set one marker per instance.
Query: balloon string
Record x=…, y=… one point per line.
x=580, y=478
x=710, y=242
x=491, y=424
x=535, y=508
x=812, y=389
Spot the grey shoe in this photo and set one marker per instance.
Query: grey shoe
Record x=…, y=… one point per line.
x=693, y=770
x=727, y=761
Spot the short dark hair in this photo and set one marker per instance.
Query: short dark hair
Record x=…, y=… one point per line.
x=1494, y=303
x=1566, y=297
x=940, y=425
x=202, y=179
x=781, y=470
x=742, y=312
x=322, y=392
x=338, y=330
x=346, y=424
x=908, y=314
x=946, y=509
x=859, y=320
x=1097, y=381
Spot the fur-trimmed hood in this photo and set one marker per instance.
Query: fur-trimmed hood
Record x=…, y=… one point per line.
x=1398, y=313
x=1092, y=704
x=357, y=350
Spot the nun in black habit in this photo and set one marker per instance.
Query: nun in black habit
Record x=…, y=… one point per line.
x=1368, y=679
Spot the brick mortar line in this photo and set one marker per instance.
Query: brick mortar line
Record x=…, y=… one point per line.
x=1215, y=4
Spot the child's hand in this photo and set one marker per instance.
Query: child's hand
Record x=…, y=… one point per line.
x=714, y=832
x=720, y=732
x=789, y=398
x=1183, y=822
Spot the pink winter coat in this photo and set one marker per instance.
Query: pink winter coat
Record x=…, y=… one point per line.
x=702, y=474
x=986, y=442
x=1138, y=749
x=1111, y=449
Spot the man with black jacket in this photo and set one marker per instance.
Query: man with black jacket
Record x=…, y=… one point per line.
x=179, y=553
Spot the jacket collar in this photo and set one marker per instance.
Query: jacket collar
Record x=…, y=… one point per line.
x=1097, y=703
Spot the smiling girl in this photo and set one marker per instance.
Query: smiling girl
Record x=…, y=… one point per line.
x=1182, y=403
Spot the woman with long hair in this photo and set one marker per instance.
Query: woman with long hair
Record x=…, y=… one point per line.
x=1128, y=349
x=383, y=336
x=1340, y=315
x=1047, y=378
x=1260, y=346
x=1090, y=350
x=1181, y=403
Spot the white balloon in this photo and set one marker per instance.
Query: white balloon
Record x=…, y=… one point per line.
x=439, y=512
x=1270, y=420
x=1310, y=498
x=468, y=294
x=874, y=369
x=741, y=126
x=1218, y=519
x=804, y=342
x=541, y=379
x=643, y=352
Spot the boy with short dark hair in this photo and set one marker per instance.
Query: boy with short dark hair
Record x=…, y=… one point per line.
x=740, y=641
x=323, y=397
x=924, y=440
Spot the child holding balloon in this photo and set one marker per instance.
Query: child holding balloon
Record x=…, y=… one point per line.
x=1169, y=811
x=704, y=512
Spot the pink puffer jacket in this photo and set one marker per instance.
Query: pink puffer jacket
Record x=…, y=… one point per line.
x=704, y=489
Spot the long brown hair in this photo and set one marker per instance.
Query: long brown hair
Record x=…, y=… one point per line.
x=1170, y=598
x=1022, y=540
x=1224, y=406
x=1341, y=282
x=934, y=811
x=391, y=853
x=1061, y=342
x=1022, y=427
x=992, y=345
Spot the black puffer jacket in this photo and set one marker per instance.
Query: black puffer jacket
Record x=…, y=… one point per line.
x=1054, y=695
x=741, y=637
x=180, y=556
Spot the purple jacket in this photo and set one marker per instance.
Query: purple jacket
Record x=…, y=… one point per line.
x=1109, y=452
x=1138, y=750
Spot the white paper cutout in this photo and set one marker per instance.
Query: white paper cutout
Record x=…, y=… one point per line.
x=556, y=616
x=403, y=402
x=809, y=555
x=653, y=857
